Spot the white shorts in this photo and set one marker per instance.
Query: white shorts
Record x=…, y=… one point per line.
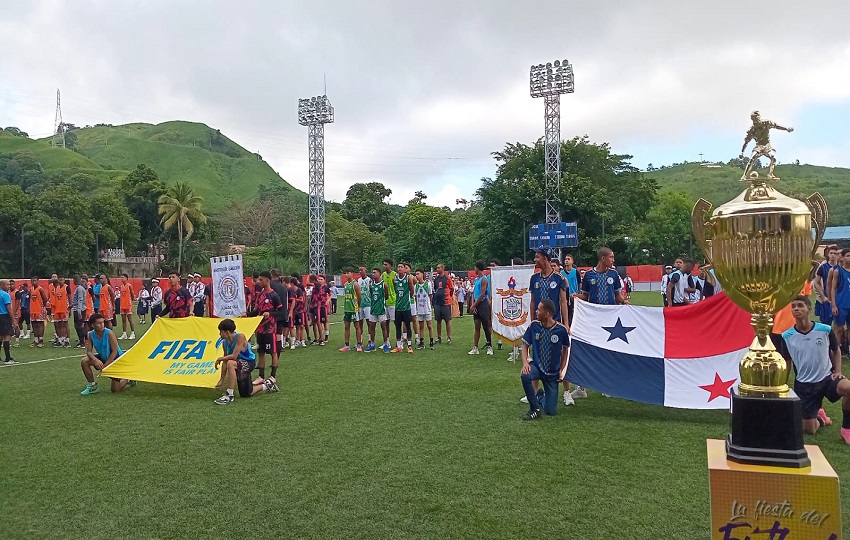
x=365, y=313
x=377, y=318
x=424, y=317
x=390, y=313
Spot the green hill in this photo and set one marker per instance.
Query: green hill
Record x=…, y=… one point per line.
x=215, y=166
x=721, y=184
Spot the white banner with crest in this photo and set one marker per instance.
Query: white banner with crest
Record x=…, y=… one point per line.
x=511, y=298
x=228, y=286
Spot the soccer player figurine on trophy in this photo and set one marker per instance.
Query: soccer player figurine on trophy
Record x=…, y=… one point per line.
x=760, y=132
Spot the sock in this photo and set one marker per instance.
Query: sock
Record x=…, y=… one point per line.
x=229, y=392
x=262, y=372
x=346, y=344
x=820, y=421
x=398, y=344
x=274, y=371
x=6, y=350
x=327, y=334
x=845, y=422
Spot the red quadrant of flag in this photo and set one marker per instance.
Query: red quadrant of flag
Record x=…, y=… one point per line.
x=708, y=328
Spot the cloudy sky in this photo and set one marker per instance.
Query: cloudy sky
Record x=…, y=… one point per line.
x=424, y=91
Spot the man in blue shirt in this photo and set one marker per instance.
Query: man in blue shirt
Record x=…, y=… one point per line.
x=7, y=320
x=839, y=283
x=481, y=309
x=813, y=349
x=549, y=342
x=101, y=350
x=820, y=284
x=601, y=284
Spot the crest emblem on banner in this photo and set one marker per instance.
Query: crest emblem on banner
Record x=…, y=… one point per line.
x=514, y=312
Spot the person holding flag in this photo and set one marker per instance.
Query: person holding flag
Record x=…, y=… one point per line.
x=549, y=342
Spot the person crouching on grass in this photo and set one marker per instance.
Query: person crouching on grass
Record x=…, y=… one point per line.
x=237, y=364
x=549, y=341
x=101, y=350
x=814, y=351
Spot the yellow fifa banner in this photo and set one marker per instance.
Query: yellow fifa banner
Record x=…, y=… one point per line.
x=178, y=351
x=756, y=501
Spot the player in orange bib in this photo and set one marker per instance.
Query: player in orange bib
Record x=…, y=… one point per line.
x=89, y=300
x=107, y=301
x=127, y=297
x=58, y=297
x=38, y=312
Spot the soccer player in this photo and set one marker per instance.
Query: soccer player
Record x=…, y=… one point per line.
x=237, y=364
x=178, y=301
x=333, y=297
x=101, y=350
x=840, y=297
x=389, y=276
x=38, y=312
x=351, y=311
x=78, y=306
x=269, y=306
x=378, y=309
x=365, y=283
x=665, y=281
x=443, y=294
x=570, y=273
x=678, y=286
x=422, y=293
x=318, y=309
x=278, y=286
x=820, y=283
x=549, y=342
x=7, y=320
x=127, y=293
x=107, y=301
x=403, y=286
x=23, y=317
x=481, y=309
x=601, y=284
x=59, y=304
x=156, y=300
x=813, y=348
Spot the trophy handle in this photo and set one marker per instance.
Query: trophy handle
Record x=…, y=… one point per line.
x=698, y=223
x=820, y=215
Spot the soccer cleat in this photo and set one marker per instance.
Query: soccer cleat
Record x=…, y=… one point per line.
x=568, y=399
x=344, y=348
x=81, y=346
x=845, y=434
x=91, y=388
x=132, y=383
x=489, y=351
x=396, y=350
x=532, y=415
x=432, y=345
x=132, y=335
x=293, y=347
x=386, y=348
x=10, y=361
x=409, y=349
x=370, y=348
x=824, y=418
x=439, y=341
x=359, y=348
x=579, y=393
x=323, y=343
x=258, y=380
x=226, y=399
x=421, y=346
x=271, y=385
x=303, y=344
x=472, y=351
x=449, y=341
x=123, y=336
x=33, y=344
x=523, y=399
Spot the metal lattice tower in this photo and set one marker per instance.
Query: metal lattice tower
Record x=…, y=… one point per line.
x=549, y=82
x=314, y=113
x=58, y=124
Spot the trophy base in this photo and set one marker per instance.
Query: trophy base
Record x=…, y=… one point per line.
x=767, y=431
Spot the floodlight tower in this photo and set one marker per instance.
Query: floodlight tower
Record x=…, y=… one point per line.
x=549, y=82
x=314, y=113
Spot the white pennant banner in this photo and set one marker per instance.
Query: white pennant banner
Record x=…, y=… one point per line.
x=228, y=286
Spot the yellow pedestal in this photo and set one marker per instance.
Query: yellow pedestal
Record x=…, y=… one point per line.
x=751, y=501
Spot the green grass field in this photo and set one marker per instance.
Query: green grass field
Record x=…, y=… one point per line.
x=429, y=445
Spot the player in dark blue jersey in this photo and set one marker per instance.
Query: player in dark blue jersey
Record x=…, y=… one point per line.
x=820, y=284
x=839, y=295
x=601, y=284
x=549, y=342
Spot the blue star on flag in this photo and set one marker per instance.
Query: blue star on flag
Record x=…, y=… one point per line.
x=618, y=331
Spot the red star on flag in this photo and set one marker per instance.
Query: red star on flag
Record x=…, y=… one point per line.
x=719, y=388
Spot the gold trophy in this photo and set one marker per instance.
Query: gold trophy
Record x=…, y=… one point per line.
x=761, y=248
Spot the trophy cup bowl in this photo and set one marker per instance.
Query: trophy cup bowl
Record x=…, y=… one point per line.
x=761, y=247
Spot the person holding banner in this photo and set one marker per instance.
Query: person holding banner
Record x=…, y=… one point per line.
x=549, y=342
x=101, y=350
x=238, y=363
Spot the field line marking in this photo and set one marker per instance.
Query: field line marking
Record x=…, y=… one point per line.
x=42, y=360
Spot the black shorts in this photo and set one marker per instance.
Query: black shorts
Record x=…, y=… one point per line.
x=297, y=319
x=25, y=317
x=243, y=377
x=198, y=309
x=6, y=325
x=319, y=314
x=279, y=325
x=403, y=316
x=266, y=343
x=482, y=311
x=442, y=313
x=812, y=394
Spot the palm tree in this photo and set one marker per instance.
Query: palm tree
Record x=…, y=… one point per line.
x=180, y=206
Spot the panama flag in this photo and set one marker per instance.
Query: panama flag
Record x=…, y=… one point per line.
x=684, y=357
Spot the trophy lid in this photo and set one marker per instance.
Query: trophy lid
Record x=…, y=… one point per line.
x=760, y=198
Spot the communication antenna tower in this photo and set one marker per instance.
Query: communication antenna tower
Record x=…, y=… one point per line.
x=58, y=124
